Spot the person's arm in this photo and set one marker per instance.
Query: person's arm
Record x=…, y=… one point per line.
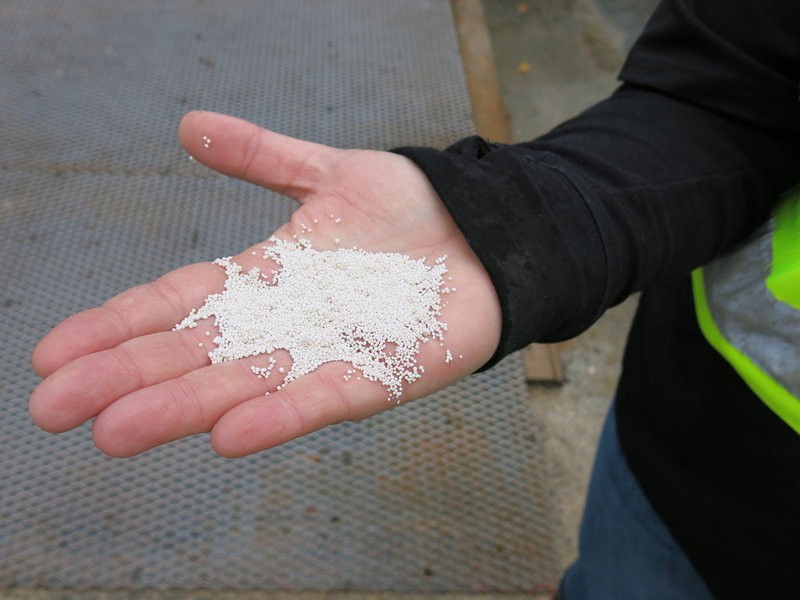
x=685, y=159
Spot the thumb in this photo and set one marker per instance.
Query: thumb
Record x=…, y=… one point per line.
x=241, y=149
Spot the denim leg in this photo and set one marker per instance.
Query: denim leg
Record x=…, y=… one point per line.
x=626, y=551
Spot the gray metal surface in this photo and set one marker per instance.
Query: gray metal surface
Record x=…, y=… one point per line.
x=97, y=196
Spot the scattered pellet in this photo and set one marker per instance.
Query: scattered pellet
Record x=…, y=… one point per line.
x=322, y=306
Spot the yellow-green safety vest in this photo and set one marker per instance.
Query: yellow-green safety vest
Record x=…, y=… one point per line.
x=748, y=307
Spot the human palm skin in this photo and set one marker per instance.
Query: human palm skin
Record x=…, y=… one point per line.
x=146, y=385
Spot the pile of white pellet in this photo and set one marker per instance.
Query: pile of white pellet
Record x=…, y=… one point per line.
x=370, y=309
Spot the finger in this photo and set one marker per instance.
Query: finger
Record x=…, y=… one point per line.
x=148, y=308
x=244, y=150
x=86, y=386
x=321, y=398
x=179, y=407
x=142, y=310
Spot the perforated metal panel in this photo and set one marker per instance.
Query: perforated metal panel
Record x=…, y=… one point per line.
x=97, y=196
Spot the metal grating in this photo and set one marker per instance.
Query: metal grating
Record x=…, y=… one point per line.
x=96, y=196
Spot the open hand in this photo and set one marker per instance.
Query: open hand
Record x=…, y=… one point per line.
x=148, y=385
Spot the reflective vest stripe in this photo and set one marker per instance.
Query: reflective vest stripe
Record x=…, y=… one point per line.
x=774, y=395
x=748, y=308
x=784, y=277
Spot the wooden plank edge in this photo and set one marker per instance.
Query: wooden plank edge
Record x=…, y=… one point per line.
x=542, y=364
x=491, y=119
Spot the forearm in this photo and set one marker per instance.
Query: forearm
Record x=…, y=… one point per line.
x=639, y=189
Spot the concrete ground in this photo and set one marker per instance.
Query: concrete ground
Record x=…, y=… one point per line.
x=554, y=59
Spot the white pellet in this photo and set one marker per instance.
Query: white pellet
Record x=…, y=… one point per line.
x=322, y=306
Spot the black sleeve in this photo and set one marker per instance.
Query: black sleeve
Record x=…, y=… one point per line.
x=684, y=160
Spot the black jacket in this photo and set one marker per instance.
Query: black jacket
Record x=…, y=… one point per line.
x=685, y=159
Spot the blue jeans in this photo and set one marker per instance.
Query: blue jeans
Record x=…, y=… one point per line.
x=626, y=551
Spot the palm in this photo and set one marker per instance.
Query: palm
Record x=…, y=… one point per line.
x=148, y=385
